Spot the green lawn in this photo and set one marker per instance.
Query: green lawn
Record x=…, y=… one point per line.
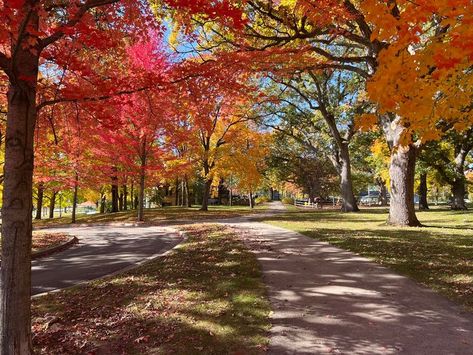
x=204, y=297
x=156, y=215
x=439, y=256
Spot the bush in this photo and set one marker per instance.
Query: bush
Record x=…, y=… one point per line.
x=288, y=201
x=262, y=199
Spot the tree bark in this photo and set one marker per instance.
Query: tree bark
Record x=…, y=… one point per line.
x=346, y=183
x=52, y=204
x=423, y=204
x=114, y=193
x=103, y=200
x=74, y=198
x=458, y=195
x=39, y=202
x=15, y=281
x=188, y=202
x=206, y=195
x=125, y=197
x=251, y=199
x=176, y=197
x=120, y=200
x=383, y=192
x=402, y=173
x=132, y=197
x=142, y=183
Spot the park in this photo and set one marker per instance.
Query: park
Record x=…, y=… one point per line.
x=236, y=177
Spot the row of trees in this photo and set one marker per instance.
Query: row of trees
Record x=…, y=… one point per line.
x=400, y=67
x=93, y=99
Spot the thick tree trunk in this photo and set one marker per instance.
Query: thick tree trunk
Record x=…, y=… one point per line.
x=458, y=195
x=39, y=202
x=206, y=195
x=52, y=204
x=15, y=281
x=115, y=194
x=74, y=198
x=423, y=204
x=346, y=182
x=250, y=196
x=402, y=173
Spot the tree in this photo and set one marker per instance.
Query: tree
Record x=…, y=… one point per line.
x=383, y=41
x=331, y=98
x=34, y=34
x=244, y=160
x=449, y=158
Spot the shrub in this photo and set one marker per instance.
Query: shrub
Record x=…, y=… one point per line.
x=288, y=201
x=261, y=199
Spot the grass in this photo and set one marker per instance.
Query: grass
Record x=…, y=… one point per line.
x=157, y=215
x=439, y=255
x=204, y=297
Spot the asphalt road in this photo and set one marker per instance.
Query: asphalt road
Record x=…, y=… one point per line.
x=102, y=250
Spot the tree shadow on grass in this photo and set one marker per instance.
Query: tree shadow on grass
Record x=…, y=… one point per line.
x=205, y=295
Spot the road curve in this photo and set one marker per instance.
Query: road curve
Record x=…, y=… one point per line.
x=102, y=250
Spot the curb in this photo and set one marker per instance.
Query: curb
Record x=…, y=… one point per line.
x=55, y=249
x=151, y=258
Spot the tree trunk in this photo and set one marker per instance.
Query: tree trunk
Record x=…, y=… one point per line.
x=206, y=195
x=383, y=192
x=52, y=204
x=132, y=196
x=74, y=198
x=188, y=202
x=120, y=200
x=423, y=204
x=15, y=281
x=142, y=183
x=114, y=193
x=231, y=197
x=458, y=194
x=346, y=183
x=251, y=199
x=39, y=202
x=125, y=197
x=103, y=200
x=176, y=197
x=402, y=173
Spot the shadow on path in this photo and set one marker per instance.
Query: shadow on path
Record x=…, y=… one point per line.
x=326, y=300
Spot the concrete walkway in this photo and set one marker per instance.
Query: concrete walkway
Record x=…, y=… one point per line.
x=102, y=250
x=329, y=301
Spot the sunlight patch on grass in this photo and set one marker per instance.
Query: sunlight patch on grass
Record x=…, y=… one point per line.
x=439, y=255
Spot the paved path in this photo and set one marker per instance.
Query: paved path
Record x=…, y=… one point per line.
x=329, y=301
x=102, y=250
